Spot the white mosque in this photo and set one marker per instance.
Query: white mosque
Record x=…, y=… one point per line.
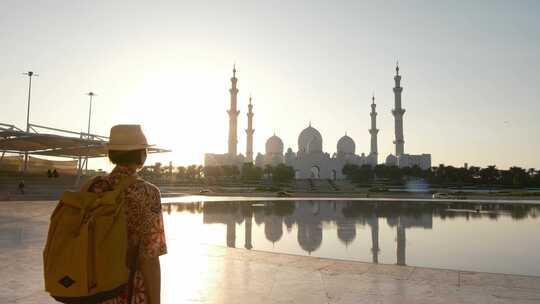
x=310, y=161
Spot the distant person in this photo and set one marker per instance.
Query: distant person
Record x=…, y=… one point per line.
x=21, y=187
x=49, y=173
x=55, y=174
x=142, y=214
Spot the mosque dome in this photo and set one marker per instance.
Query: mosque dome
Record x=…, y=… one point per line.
x=346, y=231
x=306, y=136
x=309, y=236
x=391, y=160
x=314, y=146
x=259, y=216
x=346, y=145
x=274, y=145
x=273, y=228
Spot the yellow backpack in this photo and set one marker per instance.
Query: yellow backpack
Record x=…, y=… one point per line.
x=85, y=258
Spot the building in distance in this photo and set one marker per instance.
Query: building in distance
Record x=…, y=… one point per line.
x=310, y=161
x=401, y=159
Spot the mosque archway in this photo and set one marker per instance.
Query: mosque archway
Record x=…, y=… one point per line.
x=297, y=174
x=315, y=172
x=334, y=175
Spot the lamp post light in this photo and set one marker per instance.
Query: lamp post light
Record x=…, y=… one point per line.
x=30, y=74
x=91, y=94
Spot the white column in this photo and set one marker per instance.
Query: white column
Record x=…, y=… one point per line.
x=373, y=153
x=398, y=112
x=249, y=132
x=233, y=117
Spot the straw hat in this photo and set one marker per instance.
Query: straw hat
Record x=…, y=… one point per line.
x=127, y=138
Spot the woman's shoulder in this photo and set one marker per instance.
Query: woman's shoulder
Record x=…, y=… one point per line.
x=145, y=188
x=144, y=197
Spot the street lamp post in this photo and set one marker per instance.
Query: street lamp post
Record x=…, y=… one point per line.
x=91, y=94
x=30, y=74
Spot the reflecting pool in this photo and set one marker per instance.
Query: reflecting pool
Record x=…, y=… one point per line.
x=488, y=237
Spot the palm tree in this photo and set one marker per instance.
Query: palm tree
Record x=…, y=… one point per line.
x=490, y=175
x=268, y=171
x=200, y=171
x=157, y=168
x=181, y=172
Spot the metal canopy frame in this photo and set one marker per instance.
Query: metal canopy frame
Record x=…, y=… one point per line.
x=68, y=144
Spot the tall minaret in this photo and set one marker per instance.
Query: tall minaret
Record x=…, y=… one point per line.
x=248, y=222
x=375, y=240
x=398, y=112
x=249, y=131
x=373, y=131
x=233, y=116
x=401, y=243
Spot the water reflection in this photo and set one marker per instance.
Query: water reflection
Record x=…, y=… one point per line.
x=310, y=218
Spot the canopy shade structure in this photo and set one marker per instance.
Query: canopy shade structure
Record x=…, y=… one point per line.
x=14, y=140
x=91, y=151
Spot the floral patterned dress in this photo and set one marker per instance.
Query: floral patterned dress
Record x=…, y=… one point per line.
x=144, y=224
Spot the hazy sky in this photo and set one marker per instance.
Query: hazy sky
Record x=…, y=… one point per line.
x=471, y=72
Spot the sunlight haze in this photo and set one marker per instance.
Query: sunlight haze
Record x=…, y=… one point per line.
x=470, y=73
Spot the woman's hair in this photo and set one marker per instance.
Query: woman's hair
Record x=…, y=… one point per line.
x=126, y=158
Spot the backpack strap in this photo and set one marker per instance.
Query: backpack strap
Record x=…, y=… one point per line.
x=121, y=186
x=86, y=186
x=125, y=182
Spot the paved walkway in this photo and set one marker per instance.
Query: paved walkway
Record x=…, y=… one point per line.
x=211, y=274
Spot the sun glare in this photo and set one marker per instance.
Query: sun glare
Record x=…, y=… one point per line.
x=186, y=256
x=165, y=104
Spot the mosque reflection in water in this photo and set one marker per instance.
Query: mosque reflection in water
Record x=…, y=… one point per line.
x=309, y=217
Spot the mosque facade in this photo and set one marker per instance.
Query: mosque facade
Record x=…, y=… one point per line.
x=309, y=160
